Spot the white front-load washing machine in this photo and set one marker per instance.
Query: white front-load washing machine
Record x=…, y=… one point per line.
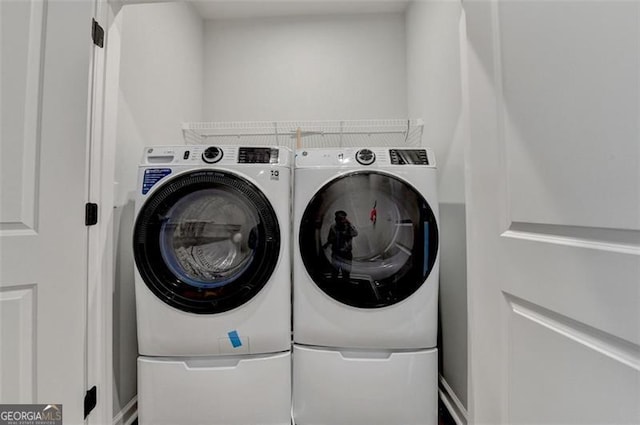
x=212, y=254
x=365, y=286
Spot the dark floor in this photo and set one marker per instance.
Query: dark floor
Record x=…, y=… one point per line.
x=444, y=418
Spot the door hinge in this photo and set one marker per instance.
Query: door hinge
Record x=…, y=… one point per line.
x=97, y=34
x=90, y=401
x=90, y=214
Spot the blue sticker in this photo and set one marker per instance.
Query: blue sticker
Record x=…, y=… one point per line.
x=153, y=176
x=425, y=260
x=235, y=339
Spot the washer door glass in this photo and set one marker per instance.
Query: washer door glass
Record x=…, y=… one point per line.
x=206, y=241
x=368, y=239
x=208, y=238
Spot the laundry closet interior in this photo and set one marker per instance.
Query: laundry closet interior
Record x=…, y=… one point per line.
x=173, y=63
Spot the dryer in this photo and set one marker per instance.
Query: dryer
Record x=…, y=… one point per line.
x=213, y=283
x=365, y=285
x=388, y=296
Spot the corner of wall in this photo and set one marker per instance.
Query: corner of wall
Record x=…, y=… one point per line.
x=435, y=94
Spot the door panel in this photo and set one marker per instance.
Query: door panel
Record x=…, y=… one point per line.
x=568, y=356
x=46, y=53
x=554, y=211
x=571, y=110
x=17, y=352
x=22, y=53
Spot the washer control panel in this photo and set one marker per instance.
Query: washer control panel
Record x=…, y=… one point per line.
x=211, y=155
x=227, y=155
x=258, y=156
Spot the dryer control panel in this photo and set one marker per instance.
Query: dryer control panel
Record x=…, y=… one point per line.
x=408, y=156
x=365, y=157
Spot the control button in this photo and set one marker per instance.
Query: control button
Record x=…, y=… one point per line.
x=365, y=157
x=211, y=155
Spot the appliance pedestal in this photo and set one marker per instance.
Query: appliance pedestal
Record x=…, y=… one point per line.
x=240, y=390
x=364, y=387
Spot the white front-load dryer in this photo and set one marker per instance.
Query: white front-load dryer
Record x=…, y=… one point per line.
x=382, y=292
x=365, y=286
x=211, y=247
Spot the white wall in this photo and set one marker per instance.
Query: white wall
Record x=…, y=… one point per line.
x=435, y=94
x=160, y=81
x=305, y=68
x=434, y=87
x=160, y=87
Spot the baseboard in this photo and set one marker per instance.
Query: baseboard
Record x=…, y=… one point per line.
x=452, y=403
x=128, y=414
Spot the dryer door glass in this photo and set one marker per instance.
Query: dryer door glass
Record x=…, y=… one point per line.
x=368, y=239
x=206, y=241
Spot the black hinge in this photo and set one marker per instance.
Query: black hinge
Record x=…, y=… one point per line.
x=97, y=34
x=90, y=214
x=90, y=401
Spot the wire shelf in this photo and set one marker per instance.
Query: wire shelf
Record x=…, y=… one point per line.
x=307, y=134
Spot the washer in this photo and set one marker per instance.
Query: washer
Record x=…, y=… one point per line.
x=213, y=285
x=211, y=246
x=366, y=268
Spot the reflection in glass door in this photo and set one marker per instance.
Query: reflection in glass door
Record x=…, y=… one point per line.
x=368, y=239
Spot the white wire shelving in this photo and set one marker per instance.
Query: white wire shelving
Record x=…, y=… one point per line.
x=307, y=134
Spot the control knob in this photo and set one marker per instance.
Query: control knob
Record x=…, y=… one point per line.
x=211, y=155
x=365, y=157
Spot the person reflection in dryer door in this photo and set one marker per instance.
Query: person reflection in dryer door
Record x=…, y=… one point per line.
x=340, y=238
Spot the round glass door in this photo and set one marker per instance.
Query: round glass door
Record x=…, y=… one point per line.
x=206, y=242
x=368, y=239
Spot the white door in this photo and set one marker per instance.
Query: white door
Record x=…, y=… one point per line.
x=554, y=211
x=45, y=62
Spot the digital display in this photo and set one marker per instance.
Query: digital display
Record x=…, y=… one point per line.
x=408, y=156
x=258, y=156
